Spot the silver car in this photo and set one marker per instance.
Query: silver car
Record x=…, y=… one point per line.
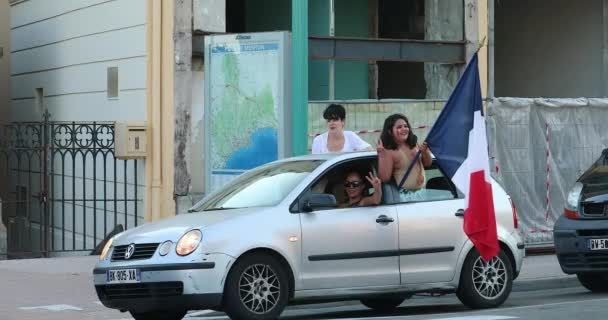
x=274, y=236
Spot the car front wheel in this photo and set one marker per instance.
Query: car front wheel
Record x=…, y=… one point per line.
x=256, y=288
x=485, y=284
x=594, y=282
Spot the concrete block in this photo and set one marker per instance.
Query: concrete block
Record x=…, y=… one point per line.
x=209, y=15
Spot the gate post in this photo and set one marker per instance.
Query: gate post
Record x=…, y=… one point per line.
x=44, y=194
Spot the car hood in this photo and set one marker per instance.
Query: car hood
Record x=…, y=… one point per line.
x=173, y=228
x=598, y=172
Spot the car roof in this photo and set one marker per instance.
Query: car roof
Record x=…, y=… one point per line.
x=334, y=156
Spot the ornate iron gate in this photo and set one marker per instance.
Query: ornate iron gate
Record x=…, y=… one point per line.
x=62, y=189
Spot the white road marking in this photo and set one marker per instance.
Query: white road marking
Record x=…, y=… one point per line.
x=98, y=302
x=54, y=307
x=201, y=313
x=472, y=317
x=484, y=317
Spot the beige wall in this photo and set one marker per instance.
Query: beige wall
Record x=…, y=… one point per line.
x=4, y=60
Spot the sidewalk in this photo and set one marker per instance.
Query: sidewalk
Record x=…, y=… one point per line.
x=67, y=284
x=542, y=272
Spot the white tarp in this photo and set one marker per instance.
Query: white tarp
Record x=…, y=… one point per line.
x=539, y=147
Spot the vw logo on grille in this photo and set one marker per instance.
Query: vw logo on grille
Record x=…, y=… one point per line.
x=130, y=251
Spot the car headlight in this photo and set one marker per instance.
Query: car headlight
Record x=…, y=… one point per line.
x=572, y=201
x=188, y=242
x=106, y=249
x=574, y=196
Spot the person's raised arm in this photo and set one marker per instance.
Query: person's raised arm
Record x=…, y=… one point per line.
x=427, y=159
x=385, y=163
x=375, y=198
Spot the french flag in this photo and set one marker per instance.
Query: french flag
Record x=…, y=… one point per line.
x=458, y=141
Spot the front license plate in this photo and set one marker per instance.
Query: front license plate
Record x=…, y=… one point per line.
x=598, y=244
x=123, y=276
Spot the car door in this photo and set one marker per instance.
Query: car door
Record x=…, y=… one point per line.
x=350, y=248
x=431, y=232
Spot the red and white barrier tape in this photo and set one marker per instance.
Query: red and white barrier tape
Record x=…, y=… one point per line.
x=548, y=169
x=313, y=135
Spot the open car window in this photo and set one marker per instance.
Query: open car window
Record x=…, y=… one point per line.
x=332, y=181
x=438, y=187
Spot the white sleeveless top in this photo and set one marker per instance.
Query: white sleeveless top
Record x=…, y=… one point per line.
x=352, y=143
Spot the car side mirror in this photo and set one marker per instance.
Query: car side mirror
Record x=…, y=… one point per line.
x=319, y=201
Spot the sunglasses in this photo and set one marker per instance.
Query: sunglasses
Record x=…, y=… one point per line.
x=353, y=184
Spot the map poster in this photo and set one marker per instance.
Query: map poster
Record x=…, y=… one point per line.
x=247, y=103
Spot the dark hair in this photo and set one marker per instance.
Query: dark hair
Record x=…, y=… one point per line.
x=387, y=137
x=366, y=184
x=334, y=111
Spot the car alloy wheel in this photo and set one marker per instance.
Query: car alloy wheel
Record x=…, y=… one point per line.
x=485, y=284
x=259, y=288
x=489, y=278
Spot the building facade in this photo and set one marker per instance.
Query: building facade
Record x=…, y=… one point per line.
x=80, y=67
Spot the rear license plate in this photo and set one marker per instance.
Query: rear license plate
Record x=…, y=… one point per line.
x=123, y=276
x=598, y=244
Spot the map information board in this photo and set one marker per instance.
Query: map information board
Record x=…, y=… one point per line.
x=246, y=103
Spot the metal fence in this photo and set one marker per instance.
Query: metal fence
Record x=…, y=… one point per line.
x=62, y=188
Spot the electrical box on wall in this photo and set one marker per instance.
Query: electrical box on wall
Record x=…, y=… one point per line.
x=130, y=140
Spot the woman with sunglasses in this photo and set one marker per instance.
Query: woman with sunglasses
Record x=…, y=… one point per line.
x=354, y=185
x=336, y=139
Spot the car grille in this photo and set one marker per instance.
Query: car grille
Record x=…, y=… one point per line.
x=142, y=251
x=595, y=209
x=140, y=290
x=589, y=260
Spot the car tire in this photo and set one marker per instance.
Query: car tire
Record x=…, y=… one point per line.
x=485, y=284
x=256, y=288
x=384, y=304
x=596, y=283
x=159, y=315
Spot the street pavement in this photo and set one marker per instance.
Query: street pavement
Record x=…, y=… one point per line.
x=62, y=288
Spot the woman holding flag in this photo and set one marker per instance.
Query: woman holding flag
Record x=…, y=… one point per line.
x=401, y=158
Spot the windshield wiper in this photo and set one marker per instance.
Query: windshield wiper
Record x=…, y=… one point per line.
x=218, y=208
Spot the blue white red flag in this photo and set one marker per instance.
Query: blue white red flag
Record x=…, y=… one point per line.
x=458, y=141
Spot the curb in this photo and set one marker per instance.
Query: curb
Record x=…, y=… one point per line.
x=545, y=284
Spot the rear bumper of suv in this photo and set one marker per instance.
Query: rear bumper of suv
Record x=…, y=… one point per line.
x=571, y=238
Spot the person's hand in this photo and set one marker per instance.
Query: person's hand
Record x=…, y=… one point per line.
x=424, y=147
x=380, y=148
x=374, y=181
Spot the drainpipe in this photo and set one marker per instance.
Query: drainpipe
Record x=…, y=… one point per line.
x=490, y=49
x=332, y=63
x=299, y=33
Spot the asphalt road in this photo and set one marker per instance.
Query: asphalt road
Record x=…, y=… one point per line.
x=556, y=304
x=573, y=303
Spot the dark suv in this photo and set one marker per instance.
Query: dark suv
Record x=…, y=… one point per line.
x=581, y=234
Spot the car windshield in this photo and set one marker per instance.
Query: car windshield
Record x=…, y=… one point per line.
x=264, y=186
x=598, y=172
